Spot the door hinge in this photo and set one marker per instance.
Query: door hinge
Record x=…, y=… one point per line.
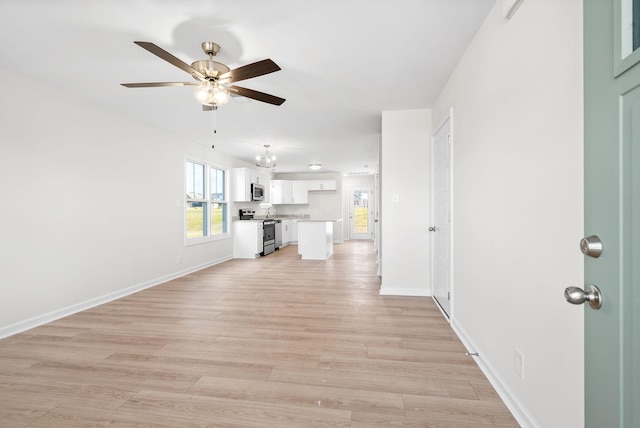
x=448, y=296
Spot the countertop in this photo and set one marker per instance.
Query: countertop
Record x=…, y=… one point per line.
x=320, y=221
x=274, y=217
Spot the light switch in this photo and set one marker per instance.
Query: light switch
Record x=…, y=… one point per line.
x=395, y=198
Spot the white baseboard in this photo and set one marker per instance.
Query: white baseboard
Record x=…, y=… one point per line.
x=30, y=323
x=515, y=407
x=410, y=292
x=444, y=314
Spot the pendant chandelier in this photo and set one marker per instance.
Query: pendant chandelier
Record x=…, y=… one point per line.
x=266, y=161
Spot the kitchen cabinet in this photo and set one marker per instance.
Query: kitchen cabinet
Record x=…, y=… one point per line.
x=293, y=238
x=286, y=232
x=241, y=180
x=289, y=192
x=247, y=239
x=320, y=185
x=280, y=191
x=257, y=178
x=315, y=239
x=299, y=192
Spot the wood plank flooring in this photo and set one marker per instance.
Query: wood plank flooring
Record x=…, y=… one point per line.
x=272, y=342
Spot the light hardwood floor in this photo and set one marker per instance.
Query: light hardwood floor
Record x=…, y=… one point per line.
x=272, y=342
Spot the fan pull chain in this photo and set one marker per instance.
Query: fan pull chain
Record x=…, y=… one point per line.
x=213, y=117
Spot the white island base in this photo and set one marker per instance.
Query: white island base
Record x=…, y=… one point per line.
x=315, y=239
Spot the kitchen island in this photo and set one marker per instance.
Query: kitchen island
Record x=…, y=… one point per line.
x=315, y=239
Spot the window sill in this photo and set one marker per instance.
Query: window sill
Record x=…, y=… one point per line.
x=198, y=241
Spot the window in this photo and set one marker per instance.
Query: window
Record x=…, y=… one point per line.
x=206, y=205
x=636, y=24
x=629, y=26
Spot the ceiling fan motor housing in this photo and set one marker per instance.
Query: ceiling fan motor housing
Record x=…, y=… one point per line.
x=211, y=69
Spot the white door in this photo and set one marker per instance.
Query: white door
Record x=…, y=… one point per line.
x=441, y=214
x=360, y=213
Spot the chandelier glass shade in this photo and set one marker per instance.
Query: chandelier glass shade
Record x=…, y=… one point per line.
x=210, y=93
x=266, y=161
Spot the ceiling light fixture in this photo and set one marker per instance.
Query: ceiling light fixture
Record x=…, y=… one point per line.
x=315, y=166
x=266, y=161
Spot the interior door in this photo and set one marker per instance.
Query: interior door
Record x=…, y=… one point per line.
x=360, y=215
x=612, y=211
x=441, y=212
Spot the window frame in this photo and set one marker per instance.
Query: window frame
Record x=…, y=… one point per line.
x=209, y=167
x=624, y=13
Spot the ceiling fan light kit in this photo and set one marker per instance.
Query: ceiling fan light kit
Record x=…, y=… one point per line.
x=315, y=166
x=210, y=93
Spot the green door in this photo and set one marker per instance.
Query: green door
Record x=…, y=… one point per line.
x=612, y=211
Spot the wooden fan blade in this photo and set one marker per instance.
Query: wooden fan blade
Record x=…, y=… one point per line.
x=161, y=53
x=259, y=96
x=158, y=84
x=249, y=71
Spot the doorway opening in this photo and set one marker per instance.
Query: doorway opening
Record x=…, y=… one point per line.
x=441, y=203
x=360, y=213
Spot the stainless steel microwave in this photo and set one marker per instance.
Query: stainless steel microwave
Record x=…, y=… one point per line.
x=257, y=192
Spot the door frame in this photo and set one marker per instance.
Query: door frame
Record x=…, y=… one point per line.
x=370, y=206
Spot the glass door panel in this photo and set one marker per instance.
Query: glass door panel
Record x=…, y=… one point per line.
x=360, y=215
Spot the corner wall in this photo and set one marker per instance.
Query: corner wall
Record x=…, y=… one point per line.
x=405, y=193
x=518, y=206
x=92, y=205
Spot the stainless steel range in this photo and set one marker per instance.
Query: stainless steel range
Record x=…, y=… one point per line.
x=268, y=231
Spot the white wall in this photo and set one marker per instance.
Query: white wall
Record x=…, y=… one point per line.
x=518, y=217
x=405, y=193
x=92, y=205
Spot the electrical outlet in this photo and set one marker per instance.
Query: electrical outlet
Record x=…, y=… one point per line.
x=178, y=260
x=518, y=363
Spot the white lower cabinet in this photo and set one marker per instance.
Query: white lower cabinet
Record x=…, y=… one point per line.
x=247, y=239
x=293, y=238
x=286, y=232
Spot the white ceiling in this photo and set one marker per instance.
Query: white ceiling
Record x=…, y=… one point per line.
x=343, y=63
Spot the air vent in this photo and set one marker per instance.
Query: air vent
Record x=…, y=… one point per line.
x=509, y=7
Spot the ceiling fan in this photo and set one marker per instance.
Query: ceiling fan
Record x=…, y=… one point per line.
x=213, y=79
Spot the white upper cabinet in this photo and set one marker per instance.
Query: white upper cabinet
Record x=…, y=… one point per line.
x=289, y=192
x=299, y=192
x=241, y=180
x=257, y=178
x=316, y=185
x=280, y=192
